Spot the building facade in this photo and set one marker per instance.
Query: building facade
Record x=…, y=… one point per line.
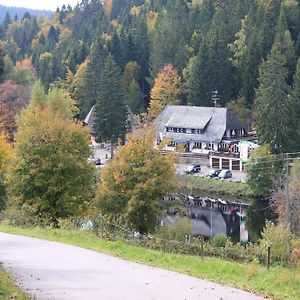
x=200, y=129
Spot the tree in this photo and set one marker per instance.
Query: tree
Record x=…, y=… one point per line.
x=133, y=97
x=46, y=69
x=170, y=37
x=13, y=98
x=50, y=169
x=272, y=103
x=167, y=90
x=92, y=76
x=2, y=66
x=286, y=199
x=263, y=172
x=134, y=182
x=197, y=79
x=295, y=110
x=110, y=109
x=284, y=42
x=5, y=153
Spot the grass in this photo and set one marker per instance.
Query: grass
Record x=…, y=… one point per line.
x=202, y=185
x=278, y=282
x=8, y=289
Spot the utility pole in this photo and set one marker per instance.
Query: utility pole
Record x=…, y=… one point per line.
x=215, y=98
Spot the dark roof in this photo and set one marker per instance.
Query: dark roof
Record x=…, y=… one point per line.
x=212, y=120
x=89, y=119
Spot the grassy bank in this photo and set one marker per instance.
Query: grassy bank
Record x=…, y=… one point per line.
x=8, y=289
x=278, y=282
x=207, y=186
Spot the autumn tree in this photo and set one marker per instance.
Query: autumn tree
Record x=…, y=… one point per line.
x=167, y=90
x=134, y=182
x=286, y=199
x=50, y=170
x=13, y=98
x=110, y=109
x=5, y=152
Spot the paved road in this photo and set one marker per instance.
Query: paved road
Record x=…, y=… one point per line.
x=49, y=270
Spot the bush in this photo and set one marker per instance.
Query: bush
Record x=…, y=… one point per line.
x=177, y=231
x=24, y=216
x=279, y=239
x=219, y=240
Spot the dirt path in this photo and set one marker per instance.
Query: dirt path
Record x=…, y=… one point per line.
x=49, y=270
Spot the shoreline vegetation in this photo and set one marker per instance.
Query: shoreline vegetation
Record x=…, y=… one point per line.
x=278, y=282
x=202, y=186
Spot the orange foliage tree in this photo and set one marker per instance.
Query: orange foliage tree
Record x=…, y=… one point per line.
x=13, y=98
x=167, y=90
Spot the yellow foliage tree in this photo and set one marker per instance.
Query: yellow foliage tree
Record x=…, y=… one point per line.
x=50, y=170
x=134, y=182
x=167, y=90
x=5, y=153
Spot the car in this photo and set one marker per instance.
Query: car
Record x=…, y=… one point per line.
x=95, y=160
x=214, y=173
x=224, y=174
x=193, y=169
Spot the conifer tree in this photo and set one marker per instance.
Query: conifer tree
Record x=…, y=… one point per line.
x=295, y=110
x=272, y=103
x=197, y=79
x=92, y=76
x=285, y=44
x=110, y=109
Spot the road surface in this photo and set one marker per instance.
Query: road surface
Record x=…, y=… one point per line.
x=50, y=270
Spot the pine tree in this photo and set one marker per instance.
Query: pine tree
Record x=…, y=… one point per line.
x=170, y=37
x=110, y=109
x=295, y=110
x=92, y=76
x=7, y=21
x=196, y=76
x=272, y=103
x=285, y=44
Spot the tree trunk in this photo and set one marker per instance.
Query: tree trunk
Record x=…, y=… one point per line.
x=111, y=149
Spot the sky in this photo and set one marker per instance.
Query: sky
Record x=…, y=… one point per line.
x=39, y=4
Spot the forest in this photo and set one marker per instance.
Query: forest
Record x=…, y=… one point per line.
x=214, y=45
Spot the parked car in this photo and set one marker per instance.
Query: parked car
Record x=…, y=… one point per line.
x=224, y=174
x=193, y=169
x=214, y=173
x=95, y=160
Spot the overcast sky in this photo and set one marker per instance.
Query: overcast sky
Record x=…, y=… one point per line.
x=39, y=4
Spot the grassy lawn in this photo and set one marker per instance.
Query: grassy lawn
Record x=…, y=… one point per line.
x=202, y=185
x=278, y=282
x=8, y=289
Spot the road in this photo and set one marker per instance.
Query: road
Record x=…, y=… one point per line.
x=50, y=270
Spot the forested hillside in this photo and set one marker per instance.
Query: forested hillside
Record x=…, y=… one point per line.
x=210, y=44
x=20, y=12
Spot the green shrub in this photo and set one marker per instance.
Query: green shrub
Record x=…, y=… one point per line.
x=177, y=231
x=219, y=240
x=24, y=216
x=279, y=239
